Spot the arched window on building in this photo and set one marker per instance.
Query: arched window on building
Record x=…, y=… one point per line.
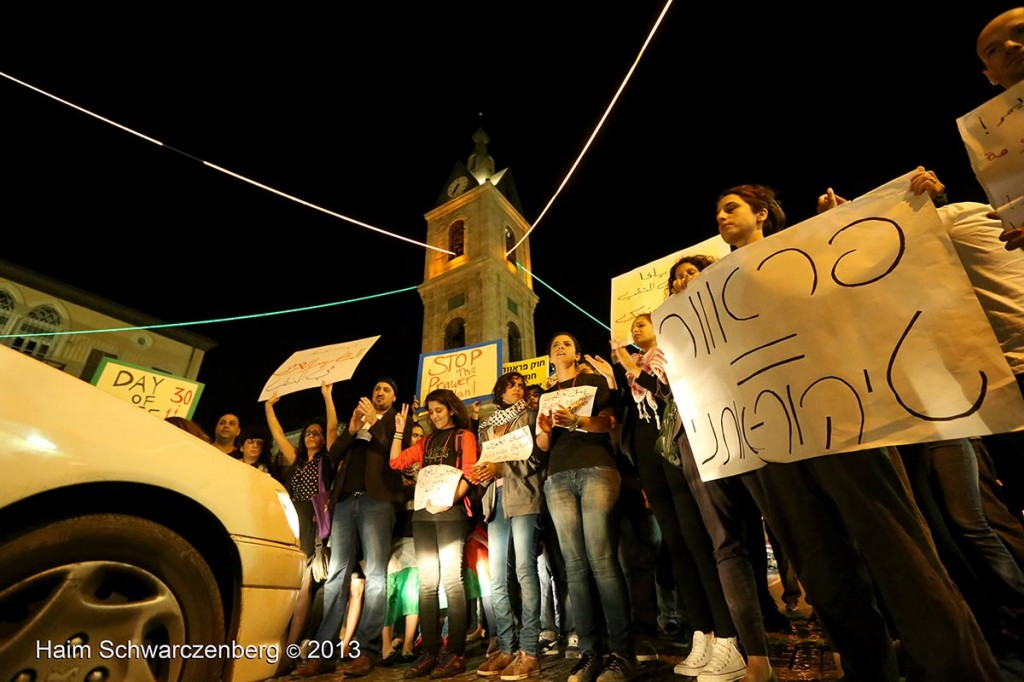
x=455, y=334
x=510, y=242
x=515, y=343
x=6, y=310
x=40, y=320
x=456, y=239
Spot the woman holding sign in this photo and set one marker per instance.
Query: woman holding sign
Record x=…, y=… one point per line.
x=446, y=458
x=574, y=420
x=511, y=507
x=851, y=530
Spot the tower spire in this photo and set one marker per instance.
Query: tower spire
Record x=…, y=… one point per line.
x=480, y=163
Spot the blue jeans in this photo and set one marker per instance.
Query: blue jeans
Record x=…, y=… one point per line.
x=524, y=536
x=359, y=521
x=581, y=504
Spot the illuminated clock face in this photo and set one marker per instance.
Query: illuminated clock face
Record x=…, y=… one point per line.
x=458, y=186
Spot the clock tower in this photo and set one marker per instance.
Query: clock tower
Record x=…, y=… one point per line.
x=477, y=293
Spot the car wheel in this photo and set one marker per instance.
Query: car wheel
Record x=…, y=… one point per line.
x=104, y=597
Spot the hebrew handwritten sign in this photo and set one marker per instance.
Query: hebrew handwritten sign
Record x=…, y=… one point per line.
x=158, y=393
x=469, y=372
x=854, y=329
x=437, y=485
x=994, y=135
x=577, y=399
x=534, y=370
x=514, y=445
x=643, y=289
x=314, y=366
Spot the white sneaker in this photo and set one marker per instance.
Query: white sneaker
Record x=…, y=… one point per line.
x=700, y=654
x=726, y=664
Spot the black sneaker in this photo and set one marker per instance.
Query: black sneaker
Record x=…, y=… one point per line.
x=546, y=645
x=585, y=669
x=617, y=669
x=450, y=665
x=423, y=666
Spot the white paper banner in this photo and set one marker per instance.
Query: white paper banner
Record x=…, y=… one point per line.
x=515, y=445
x=314, y=366
x=577, y=399
x=994, y=135
x=437, y=485
x=854, y=329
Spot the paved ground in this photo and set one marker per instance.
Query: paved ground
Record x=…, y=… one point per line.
x=799, y=654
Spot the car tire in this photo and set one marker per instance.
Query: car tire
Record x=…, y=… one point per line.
x=106, y=582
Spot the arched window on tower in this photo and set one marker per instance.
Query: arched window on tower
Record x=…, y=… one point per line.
x=40, y=320
x=456, y=239
x=510, y=242
x=455, y=334
x=515, y=343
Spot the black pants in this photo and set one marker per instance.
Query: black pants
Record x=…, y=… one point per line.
x=439, y=547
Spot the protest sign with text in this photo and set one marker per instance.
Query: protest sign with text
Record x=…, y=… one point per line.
x=994, y=135
x=313, y=367
x=856, y=328
x=515, y=445
x=158, y=393
x=469, y=372
x=534, y=370
x=643, y=289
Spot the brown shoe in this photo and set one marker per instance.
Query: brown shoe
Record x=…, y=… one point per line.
x=523, y=665
x=313, y=667
x=358, y=666
x=494, y=664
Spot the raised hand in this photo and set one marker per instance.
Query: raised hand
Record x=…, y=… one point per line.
x=400, y=418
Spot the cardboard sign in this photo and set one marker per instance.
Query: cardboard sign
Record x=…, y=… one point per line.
x=469, y=372
x=160, y=394
x=645, y=288
x=854, y=329
x=994, y=135
x=534, y=371
x=315, y=366
x=514, y=445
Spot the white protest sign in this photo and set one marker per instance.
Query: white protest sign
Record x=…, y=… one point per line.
x=856, y=328
x=643, y=289
x=515, y=445
x=437, y=485
x=577, y=399
x=994, y=135
x=312, y=367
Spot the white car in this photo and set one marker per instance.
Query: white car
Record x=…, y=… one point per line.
x=129, y=549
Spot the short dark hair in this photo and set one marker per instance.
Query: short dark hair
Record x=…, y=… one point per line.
x=575, y=341
x=502, y=384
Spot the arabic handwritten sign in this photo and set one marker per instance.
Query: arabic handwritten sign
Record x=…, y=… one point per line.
x=163, y=395
x=854, y=329
x=514, y=445
x=577, y=399
x=470, y=372
x=644, y=289
x=437, y=485
x=534, y=370
x=314, y=366
x=994, y=135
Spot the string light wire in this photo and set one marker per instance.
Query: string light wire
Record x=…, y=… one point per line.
x=560, y=295
x=593, y=135
x=166, y=325
x=223, y=170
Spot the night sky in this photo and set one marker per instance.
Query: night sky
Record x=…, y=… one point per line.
x=364, y=112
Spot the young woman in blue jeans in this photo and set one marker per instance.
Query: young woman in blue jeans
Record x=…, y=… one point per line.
x=511, y=508
x=581, y=490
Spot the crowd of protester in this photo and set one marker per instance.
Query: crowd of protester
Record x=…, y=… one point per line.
x=605, y=533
